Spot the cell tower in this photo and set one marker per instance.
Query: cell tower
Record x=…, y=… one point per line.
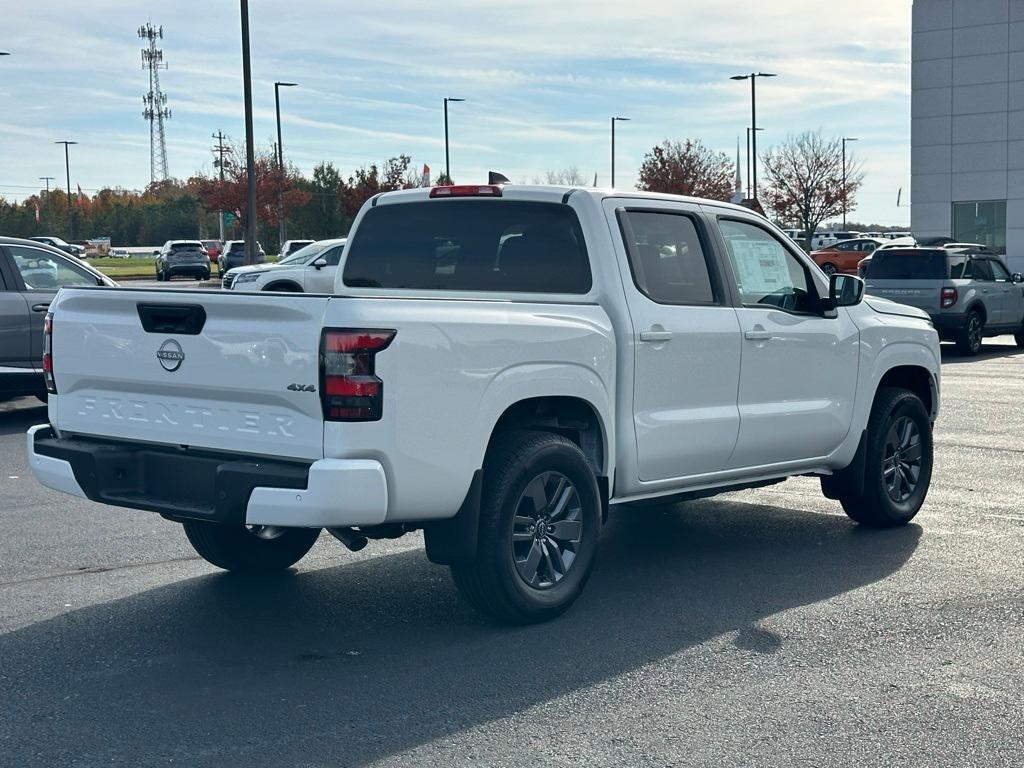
x=155, y=102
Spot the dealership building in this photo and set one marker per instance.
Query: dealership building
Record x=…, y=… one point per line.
x=967, y=123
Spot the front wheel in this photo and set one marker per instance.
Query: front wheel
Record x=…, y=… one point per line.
x=897, y=464
x=969, y=340
x=249, y=548
x=540, y=519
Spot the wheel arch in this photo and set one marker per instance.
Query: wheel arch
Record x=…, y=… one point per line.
x=977, y=305
x=915, y=378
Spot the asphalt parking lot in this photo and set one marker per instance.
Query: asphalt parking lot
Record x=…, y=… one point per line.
x=759, y=628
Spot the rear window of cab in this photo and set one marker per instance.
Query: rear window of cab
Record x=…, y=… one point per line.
x=506, y=246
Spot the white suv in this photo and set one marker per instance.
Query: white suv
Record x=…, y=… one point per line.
x=308, y=270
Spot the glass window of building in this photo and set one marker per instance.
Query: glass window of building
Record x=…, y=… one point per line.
x=981, y=222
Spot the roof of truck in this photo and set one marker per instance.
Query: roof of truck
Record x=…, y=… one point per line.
x=552, y=193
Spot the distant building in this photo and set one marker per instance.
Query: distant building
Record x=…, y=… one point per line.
x=967, y=123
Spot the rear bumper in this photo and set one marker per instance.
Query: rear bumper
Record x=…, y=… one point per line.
x=200, y=485
x=194, y=270
x=948, y=324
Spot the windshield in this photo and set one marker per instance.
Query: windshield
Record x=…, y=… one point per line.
x=308, y=253
x=908, y=265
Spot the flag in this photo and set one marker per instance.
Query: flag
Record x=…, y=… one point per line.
x=37, y=211
x=426, y=176
x=80, y=201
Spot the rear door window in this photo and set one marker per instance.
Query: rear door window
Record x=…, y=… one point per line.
x=470, y=245
x=666, y=257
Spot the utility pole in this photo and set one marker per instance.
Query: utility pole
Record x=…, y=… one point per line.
x=221, y=150
x=67, y=170
x=46, y=200
x=250, y=152
x=155, y=103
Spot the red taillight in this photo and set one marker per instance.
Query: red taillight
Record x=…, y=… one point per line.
x=349, y=388
x=51, y=384
x=949, y=297
x=467, y=190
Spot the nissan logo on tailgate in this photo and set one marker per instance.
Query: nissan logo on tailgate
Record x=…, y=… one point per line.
x=170, y=355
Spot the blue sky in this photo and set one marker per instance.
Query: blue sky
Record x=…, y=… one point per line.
x=540, y=79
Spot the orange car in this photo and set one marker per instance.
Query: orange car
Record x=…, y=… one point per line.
x=844, y=255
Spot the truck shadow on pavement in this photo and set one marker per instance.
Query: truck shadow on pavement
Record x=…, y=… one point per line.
x=990, y=350
x=351, y=664
x=14, y=419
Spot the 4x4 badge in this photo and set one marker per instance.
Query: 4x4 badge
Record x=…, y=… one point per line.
x=301, y=388
x=170, y=355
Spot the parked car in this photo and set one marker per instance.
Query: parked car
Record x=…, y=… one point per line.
x=182, y=257
x=968, y=296
x=900, y=242
x=843, y=256
x=897, y=235
x=213, y=248
x=823, y=239
x=798, y=236
x=308, y=270
x=56, y=242
x=589, y=348
x=233, y=255
x=31, y=273
x=291, y=246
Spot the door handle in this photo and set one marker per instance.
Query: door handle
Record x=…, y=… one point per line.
x=758, y=335
x=656, y=336
x=40, y=307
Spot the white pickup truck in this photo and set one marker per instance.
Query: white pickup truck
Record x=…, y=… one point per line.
x=497, y=366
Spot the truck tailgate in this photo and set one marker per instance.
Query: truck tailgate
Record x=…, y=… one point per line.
x=207, y=369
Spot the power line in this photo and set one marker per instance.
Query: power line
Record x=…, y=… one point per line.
x=155, y=102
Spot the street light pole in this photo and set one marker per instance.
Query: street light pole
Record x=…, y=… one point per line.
x=753, y=119
x=67, y=170
x=748, y=158
x=280, y=162
x=447, y=161
x=250, y=157
x=614, y=121
x=845, y=139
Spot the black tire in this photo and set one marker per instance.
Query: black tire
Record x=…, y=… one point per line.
x=968, y=341
x=493, y=583
x=873, y=504
x=159, y=276
x=239, y=548
x=1019, y=338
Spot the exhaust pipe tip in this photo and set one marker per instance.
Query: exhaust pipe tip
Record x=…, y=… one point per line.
x=351, y=539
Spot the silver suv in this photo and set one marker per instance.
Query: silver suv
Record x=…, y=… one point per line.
x=968, y=295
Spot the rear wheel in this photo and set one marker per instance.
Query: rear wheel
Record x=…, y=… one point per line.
x=897, y=463
x=540, y=520
x=970, y=338
x=1019, y=337
x=249, y=548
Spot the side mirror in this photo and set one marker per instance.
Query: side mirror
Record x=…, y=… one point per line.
x=844, y=291
x=156, y=253
x=1017, y=277
x=320, y=263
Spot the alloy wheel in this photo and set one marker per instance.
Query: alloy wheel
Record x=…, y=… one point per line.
x=974, y=332
x=902, y=459
x=546, y=530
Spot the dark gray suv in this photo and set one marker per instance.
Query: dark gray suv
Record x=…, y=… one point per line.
x=31, y=273
x=968, y=295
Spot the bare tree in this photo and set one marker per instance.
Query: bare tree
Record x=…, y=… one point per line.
x=687, y=168
x=567, y=177
x=804, y=182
